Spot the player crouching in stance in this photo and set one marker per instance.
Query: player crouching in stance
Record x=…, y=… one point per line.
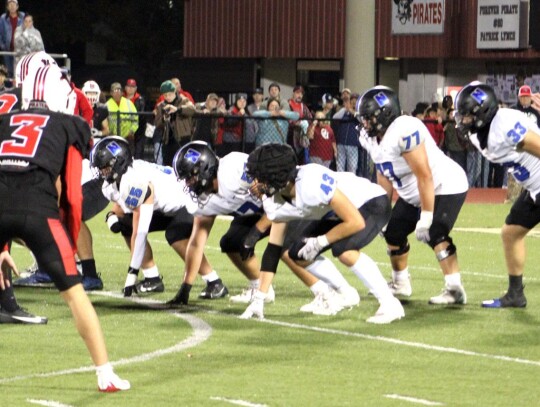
x=40, y=168
x=431, y=188
x=506, y=136
x=148, y=198
x=346, y=212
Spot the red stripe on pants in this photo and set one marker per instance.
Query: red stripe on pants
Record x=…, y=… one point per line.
x=64, y=246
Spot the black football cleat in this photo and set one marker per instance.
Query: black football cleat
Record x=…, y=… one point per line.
x=512, y=299
x=20, y=316
x=214, y=290
x=150, y=285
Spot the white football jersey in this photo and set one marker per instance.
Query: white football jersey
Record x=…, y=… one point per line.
x=233, y=197
x=507, y=129
x=169, y=194
x=315, y=187
x=405, y=134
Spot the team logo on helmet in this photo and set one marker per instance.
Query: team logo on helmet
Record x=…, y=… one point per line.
x=114, y=148
x=381, y=99
x=192, y=155
x=479, y=95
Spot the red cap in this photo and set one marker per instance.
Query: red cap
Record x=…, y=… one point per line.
x=525, y=91
x=131, y=82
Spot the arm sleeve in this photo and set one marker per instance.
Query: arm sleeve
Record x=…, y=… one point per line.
x=145, y=217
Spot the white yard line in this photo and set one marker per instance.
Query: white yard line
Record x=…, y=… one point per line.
x=238, y=402
x=48, y=403
x=201, y=332
x=413, y=400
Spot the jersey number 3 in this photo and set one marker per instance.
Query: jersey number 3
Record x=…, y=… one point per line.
x=25, y=138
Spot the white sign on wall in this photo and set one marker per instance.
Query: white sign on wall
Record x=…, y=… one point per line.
x=498, y=24
x=417, y=16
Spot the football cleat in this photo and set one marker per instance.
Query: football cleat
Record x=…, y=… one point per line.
x=402, y=288
x=20, y=316
x=110, y=383
x=389, y=310
x=449, y=296
x=348, y=297
x=27, y=272
x=38, y=279
x=150, y=285
x=511, y=299
x=213, y=290
x=329, y=303
x=246, y=295
x=92, y=283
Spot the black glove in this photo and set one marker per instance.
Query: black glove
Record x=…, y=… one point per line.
x=113, y=222
x=250, y=240
x=182, y=296
x=130, y=286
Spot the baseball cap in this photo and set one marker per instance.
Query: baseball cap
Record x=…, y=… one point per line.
x=166, y=87
x=346, y=90
x=525, y=91
x=259, y=90
x=212, y=96
x=131, y=82
x=298, y=88
x=241, y=95
x=12, y=1
x=115, y=85
x=327, y=98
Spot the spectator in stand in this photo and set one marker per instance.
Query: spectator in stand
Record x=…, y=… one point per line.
x=524, y=104
x=433, y=123
x=297, y=137
x=27, y=39
x=130, y=92
x=345, y=95
x=3, y=75
x=123, y=120
x=274, y=129
x=252, y=126
x=322, y=145
x=174, y=116
x=207, y=124
x=258, y=97
x=329, y=106
x=347, y=136
x=454, y=143
x=100, y=122
x=9, y=21
x=181, y=91
x=275, y=93
x=233, y=128
x=420, y=110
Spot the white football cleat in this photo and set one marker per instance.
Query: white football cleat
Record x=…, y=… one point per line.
x=402, y=288
x=389, y=310
x=349, y=296
x=329, y=303
x=109, y=382
x=246, y=296
x=450, y=295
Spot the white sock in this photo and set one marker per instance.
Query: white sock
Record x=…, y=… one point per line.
x=453, y=280
x=104, y=369
x=401, y=275
x=325, y=270
x=213, y=276
x=151, y=272
x=368, y=272
x=319, y=287
x=254, y=284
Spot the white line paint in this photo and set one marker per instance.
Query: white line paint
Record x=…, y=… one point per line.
x=201, y=332
x=47, y=403
x=238, y=402
x=405, y=343
x=414, y=400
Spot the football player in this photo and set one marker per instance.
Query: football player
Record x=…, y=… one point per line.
x=221, y=187
x=509, y=137
x=431, y=189
x=148, y=198
x=101, y=114
x=345, y=213
x=41, y=150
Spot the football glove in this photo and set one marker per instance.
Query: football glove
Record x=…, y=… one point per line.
x=95, y=132
x=312, y=247
x=423, y=225
x=113, y=222
x=250, y=240
x=130, y=285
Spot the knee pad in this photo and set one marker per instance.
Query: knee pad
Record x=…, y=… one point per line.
x=444, y=253
x=403, y=248
x=228, y=245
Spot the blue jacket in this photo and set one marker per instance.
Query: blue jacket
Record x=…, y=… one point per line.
x=6, y=30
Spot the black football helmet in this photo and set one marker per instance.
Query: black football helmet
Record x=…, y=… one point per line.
x=112, y=152
x=196, y=164
x=378, y=106
x=478, y=101
x=273, y=165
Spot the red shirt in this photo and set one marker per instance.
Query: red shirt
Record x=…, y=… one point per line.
x=321, y=144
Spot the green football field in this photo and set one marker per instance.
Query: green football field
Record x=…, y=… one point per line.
x=206, y=356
